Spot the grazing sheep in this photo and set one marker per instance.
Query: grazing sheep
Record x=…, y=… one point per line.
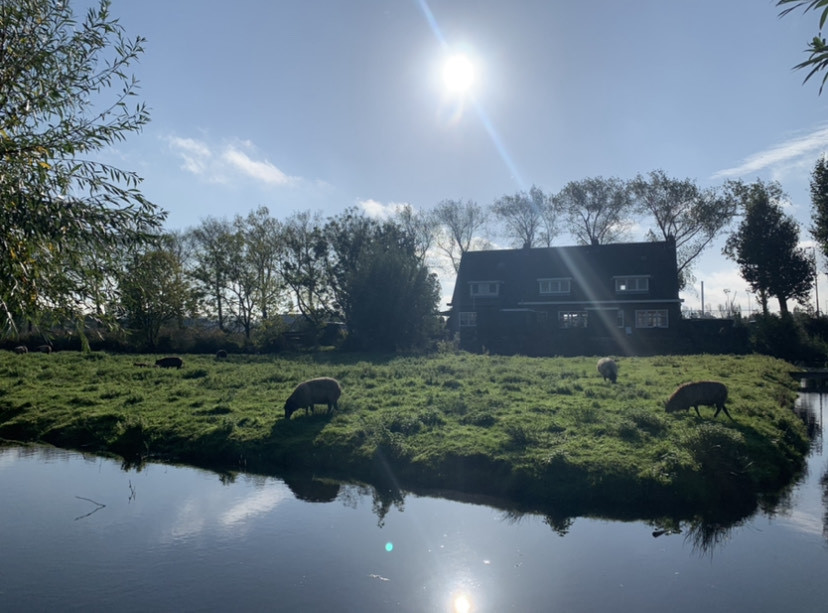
x=316, y=391
x=221, y=354
x=708, y=393
x=608, y=369
x=45, y=349
x=21, y=349
x=170, y=362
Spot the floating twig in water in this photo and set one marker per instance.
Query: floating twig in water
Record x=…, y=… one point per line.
x=99, y=507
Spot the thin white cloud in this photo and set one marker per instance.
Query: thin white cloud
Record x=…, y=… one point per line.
x=788, y=153
x=256, y=169
x=195, y=154
x=220, y=164
x=378, y=210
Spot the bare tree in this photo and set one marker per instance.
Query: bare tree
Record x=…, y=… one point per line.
x=262, y=236
x=682, y=211
x=459, y=225
x=213, y=246
x=528, y=217
x=597, y=210
x=420, y=226
x=304, y=265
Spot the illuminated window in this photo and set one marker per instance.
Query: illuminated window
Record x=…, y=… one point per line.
x=554, y=286
x=656, y=318
x=572, y=319
x=629, y=285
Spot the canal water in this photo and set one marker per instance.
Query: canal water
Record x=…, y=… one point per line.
x=82, y=533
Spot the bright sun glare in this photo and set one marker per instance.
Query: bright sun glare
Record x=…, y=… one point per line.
x=458, y=74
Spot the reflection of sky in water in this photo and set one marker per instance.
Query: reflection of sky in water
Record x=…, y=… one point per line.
x=185, y=540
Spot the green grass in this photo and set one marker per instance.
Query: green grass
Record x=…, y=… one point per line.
x=541, y=432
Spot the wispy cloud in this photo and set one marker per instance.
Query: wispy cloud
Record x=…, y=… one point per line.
x=261, y=170
x=378, y=210
x=791, y=153
x=223, y=163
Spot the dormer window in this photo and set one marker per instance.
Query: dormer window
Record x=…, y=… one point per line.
x=484, y=288
x=556, y=286
x=632, y=285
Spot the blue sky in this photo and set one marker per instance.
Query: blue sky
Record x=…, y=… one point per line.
x=327, y=104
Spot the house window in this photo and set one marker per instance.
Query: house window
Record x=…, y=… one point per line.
x=554, y=286
x=655, y=318
x=484, y=288
x=572, y=319
x=629, y=285
x=620, y=315
x=468, y=319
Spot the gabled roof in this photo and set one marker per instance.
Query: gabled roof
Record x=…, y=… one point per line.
x=592, y=268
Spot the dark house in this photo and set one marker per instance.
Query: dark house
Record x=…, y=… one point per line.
x=585, y=300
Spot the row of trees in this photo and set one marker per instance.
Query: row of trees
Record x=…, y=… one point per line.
x=595, y=210
x=244, y=274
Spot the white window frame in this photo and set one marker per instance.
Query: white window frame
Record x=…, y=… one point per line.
x=572, y=319
x=652, y=318
x=492, y=288
x=555, y=286
x=468, y=319
x=632, y=284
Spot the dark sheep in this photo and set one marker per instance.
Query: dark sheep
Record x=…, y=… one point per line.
x=708, y=393
x=608, y=369
x=45, y=349
x=21, y=349
x=170, y=362
x=221, y=354
x=323, y=390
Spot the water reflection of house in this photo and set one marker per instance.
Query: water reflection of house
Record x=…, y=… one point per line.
x=594, y=299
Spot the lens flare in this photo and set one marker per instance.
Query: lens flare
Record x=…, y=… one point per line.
x=458, y=74
x=462, y=604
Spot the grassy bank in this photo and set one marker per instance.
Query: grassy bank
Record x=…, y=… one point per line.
x=543, y=432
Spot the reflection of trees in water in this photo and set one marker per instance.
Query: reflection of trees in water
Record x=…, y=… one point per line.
x=310, y=489
x=824, y=483
x=560, y=523
x=704, y=535
x=382, y=499
x=808, y=408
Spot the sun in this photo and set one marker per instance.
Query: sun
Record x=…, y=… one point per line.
x=458, y=74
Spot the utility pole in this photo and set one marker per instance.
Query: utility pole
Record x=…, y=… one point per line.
x=816, y=278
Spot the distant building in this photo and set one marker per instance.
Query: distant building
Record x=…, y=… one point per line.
x=583, y=300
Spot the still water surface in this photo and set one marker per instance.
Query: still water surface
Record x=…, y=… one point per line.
x=81, y=533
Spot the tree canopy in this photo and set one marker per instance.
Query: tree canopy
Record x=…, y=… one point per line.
x=681, y=210
x=65, y=92
x=765, y=246
x=819, y=199
x=528, y=217
x=817, y=48
x=597, y=210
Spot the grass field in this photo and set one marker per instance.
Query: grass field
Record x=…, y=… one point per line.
x=537, y=431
